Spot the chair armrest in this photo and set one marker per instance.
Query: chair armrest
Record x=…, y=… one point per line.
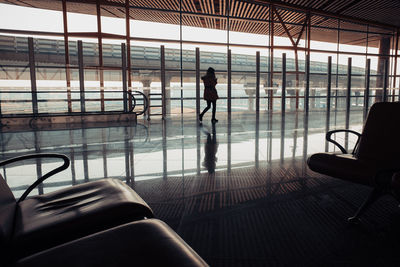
x=44, y=177
x=329, y=139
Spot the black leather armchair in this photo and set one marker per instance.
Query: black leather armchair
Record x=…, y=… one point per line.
x=374, y=159
x=141, y=243
x=34, y=224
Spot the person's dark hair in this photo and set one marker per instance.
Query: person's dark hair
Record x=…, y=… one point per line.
x=210, y=73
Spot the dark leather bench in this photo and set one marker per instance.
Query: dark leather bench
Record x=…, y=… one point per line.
x=142, y=243
x=39, y=224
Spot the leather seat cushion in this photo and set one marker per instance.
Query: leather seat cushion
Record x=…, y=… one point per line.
x=142, y=243
x=344, y=166
x=51, y=219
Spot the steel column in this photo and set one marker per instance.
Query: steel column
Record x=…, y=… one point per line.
x=283, y=101
x=258, y=82
x=163, y=108
x=180, y=52
x=366, y=93
x=328, y=100
x=307, y=89
x=348, y=94
x=81, y=77
x=329, y=90
x=296, y=62
x=385, y=80
x=229, y=83
x=124, y=81
x=33, y=76
x=197, y=82
x=271, y=59
x=128, y=42
x=101, y=63
x=66, y=48
x=395, y=66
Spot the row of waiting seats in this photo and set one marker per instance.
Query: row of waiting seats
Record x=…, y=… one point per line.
x=100, y=223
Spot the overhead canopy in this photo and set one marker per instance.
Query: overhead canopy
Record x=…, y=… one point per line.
x=379, y=18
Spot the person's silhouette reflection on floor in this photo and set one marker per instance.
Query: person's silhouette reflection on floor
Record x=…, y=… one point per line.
x=210, y=151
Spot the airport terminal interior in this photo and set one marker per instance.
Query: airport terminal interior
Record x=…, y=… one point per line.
x=115, y=85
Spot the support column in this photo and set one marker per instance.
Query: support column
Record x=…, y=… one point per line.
x=395, y=66
x=329, y=90
x=271, y=59
x=348, y=103
x=33, y=76
x=124, y=85
x=328, y=100
x=229, y=94
x=283, y=101
x=168, y=78
x=81, y=77
x=366, y=93
x=101, y=63
x=128, y=43
x=348, y=94
x=385, y=80
x=66, y=48
x=296, y=62
x=258, y=82
x=307, y=89
x=163, y=108
x=197, y=82
x=384, y=51
x=250, y=92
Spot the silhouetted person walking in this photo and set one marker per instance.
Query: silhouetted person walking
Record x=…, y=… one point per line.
x=210, y=93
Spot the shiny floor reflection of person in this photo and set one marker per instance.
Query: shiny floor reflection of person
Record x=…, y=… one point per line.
x=210, y=150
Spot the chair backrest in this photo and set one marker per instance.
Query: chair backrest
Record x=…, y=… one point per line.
x=380, y=140
x=8, y=207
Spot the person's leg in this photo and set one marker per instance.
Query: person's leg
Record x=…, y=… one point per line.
x=205, y=110
x=214, y=109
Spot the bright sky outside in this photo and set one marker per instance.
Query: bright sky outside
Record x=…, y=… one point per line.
x=23, y=18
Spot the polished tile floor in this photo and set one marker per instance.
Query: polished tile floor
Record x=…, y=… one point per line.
x=239, y=192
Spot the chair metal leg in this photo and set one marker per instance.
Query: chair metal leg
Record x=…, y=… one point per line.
x=373, y=196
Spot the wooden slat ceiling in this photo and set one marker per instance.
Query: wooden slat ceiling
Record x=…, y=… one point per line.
x=249, y=15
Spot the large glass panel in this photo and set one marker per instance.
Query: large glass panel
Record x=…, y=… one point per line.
x=146, y=60
x=112, y=20
x=324, y=33
x=352, y=37
x=50, y=75
x=213, y=53
x=15, y=84
x=244, y=46
x=78, y=22
x=15, y=17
